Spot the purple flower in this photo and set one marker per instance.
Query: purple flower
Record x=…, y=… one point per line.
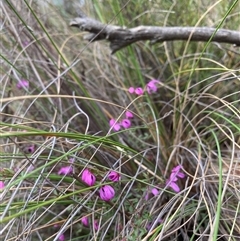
x=85, y=221
x=25, y=43
x=1, y=185
x=126, y=123
x=116, y=126
x=131, y=90
x=88, y=177
x=139, y=91
x=128, y=114
x=114, y=176
x=22, y=84
x=65, y=170
x=31, y=148
x=61, y=237
x=95, y=225
x=106, y=193
x=152, y=86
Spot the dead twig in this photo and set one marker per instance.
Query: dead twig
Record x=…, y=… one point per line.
x=121, y=37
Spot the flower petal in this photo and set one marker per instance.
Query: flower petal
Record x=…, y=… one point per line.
x=1, y=185
x=61, y=237
x=96, y=225
x=173, y=177
x=174, y=186
x=181, y=174
x=65, y=170
x=177, y=168
x=155, y=191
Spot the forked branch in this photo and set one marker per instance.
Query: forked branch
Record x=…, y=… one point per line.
x=121, y=37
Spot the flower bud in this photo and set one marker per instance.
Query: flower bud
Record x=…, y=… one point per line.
x=84, y=221
x=128, y=114
x=65, y=170
x=152, y=86
x=126, y=123
x=22, y=84
x=106, y=193
x=114, y=176
x=139, y=91
x=131, y=90
x=1, y=185
x=88, y=177
x=116, y=126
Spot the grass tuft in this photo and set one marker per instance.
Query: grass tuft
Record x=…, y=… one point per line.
x=60, y=119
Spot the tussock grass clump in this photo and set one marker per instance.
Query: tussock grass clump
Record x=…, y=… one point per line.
x=169, y=171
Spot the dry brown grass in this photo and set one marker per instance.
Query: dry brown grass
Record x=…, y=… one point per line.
x=192, y=120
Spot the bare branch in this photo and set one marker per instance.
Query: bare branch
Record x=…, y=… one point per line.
x=121, y=37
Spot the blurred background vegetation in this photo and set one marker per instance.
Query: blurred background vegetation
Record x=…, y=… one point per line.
x=75, y=87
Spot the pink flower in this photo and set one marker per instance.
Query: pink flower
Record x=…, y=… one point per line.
x=126, y=123
x=61, y=237
x=106, y=193
x=116, y=126
x=128, y=114
x=152, y=86
x=85, y=221
x=131, y=90
x=1, y=185
x=173, y=185
x=173, y=177
x=154, y=191
x=114, y=176
x=22, y=84
x=96, y=225
x=65, y=170
x=88, y=177
x=147, y=196
x=176, y=172
x=139, y=91
x=176, y=175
